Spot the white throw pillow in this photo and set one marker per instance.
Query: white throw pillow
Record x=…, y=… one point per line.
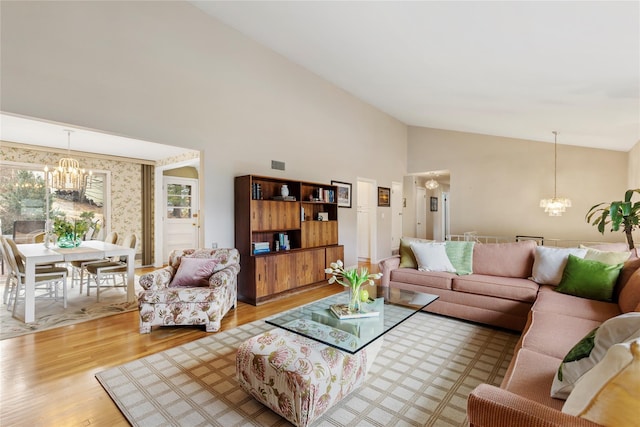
x=591, y=350
x=549, y=263
x=432, y=257
x=609, y=394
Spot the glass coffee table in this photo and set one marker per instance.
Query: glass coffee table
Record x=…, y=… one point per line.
x=317, y=322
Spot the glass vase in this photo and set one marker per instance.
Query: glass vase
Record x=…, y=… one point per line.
x=69, y=241
x=354, y=299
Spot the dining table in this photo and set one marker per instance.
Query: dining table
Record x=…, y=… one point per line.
x=34, y=254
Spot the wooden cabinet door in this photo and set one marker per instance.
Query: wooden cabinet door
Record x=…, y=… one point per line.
x=309, y=267
x=319, y=233
x=334, y=253
x=262, y=276
x=274, y=274
x=274, y=215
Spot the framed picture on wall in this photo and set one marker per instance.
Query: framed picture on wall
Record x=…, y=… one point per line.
x=344, y=193
x=384, y=196
x=433, y=204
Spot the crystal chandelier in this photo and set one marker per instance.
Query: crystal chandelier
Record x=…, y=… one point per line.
x=68, y=176
x=431, y=184
x=556, y=205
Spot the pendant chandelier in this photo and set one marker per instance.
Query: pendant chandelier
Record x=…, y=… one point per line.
x=431, y=184
x=68, y=176
x=556, y=205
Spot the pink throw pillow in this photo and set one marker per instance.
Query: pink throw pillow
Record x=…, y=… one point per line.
x=193, y=272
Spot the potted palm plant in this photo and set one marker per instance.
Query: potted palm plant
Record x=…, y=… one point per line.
x=625, y=215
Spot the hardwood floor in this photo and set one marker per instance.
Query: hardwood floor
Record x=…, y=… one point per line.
x=47, y=378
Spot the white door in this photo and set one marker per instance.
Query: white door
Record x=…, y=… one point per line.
x=181, y=222
x=364, y=224
x=396, y=215
x=421, y=212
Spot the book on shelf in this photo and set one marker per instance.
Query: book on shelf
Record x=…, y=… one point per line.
x=341, y=311
x=261, y=247
x=282, y=242
x=323, y=195
x=285, y=198
x=256, y=191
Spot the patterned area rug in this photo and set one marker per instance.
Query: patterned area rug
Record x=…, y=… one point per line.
x=422, y=376
x=51, y=314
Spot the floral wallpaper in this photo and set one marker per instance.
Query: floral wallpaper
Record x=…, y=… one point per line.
x=177, y=159
x=126, y=185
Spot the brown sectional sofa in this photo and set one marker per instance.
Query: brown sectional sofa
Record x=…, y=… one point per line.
x=552, y=324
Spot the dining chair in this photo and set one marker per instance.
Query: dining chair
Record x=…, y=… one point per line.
x=78, y=268
x=47, y=278
x=103, y=271
x=11, y=279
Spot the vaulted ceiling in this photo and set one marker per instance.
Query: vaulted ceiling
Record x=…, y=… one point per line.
x=516, y=69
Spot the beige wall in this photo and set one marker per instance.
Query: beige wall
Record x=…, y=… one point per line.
x=634, y=167
x=168, y=73
x=497, y=183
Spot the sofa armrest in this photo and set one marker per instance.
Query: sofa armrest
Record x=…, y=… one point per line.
x=225, y=276
x=385, y=266
x=490, y=406
x=158, y=279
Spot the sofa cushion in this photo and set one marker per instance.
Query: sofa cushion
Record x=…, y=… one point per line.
x=608, y=257
x=407, y=259
x=629, y=299
x=193, y=272
x=610, y=247
x=554, y=334
x=587, y=352
x=589, y=279
x=501, y=287
x=549, y=263
x=504, y=259
x=605, y=394
x=432, y=257
x=461, y=256
x=434, y=279
x=554, y=302
x=532, y=376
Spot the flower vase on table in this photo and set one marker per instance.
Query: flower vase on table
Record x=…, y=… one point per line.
x=69, y=241
x=352, y=279
x=354, y=299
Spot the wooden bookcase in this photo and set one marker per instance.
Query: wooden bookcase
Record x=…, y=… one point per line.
x=263, y=216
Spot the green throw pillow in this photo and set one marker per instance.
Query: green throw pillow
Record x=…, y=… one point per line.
x=461, y=256
x=589, y=279
x=407, y=258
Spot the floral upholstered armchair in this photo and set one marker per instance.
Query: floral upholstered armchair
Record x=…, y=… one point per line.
x=198, y=287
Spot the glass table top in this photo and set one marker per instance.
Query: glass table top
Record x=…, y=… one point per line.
x=318, y=322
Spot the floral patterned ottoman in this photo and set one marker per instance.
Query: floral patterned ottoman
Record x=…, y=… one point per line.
x=297, y=377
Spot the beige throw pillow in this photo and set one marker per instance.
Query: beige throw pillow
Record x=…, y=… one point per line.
x=609, y=394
